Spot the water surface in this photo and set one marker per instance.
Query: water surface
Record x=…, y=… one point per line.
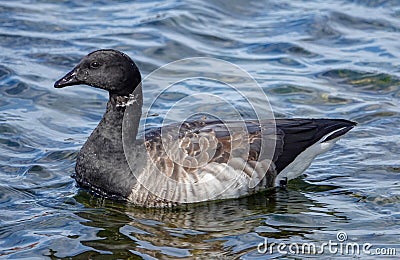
x=320, y=59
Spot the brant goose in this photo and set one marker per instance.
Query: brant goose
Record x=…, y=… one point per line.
x=204, y=160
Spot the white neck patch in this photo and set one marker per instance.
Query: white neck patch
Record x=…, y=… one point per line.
x=124, y=101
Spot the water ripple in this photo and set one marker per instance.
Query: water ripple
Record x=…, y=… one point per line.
x=313, y=59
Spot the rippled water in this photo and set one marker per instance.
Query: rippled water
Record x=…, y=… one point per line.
x=336, y=59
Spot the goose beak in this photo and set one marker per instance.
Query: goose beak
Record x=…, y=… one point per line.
x=69, y=79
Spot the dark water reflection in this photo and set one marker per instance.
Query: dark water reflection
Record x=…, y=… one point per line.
x=337, y=59
x=208, y=230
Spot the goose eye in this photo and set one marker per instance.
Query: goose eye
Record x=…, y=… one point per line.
x=94, y=65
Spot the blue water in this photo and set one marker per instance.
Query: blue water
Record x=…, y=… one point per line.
x=333, y=59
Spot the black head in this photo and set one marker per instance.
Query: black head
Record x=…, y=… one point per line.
x=111, y=70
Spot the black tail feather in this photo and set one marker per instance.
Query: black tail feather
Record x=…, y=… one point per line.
x=299, y=134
